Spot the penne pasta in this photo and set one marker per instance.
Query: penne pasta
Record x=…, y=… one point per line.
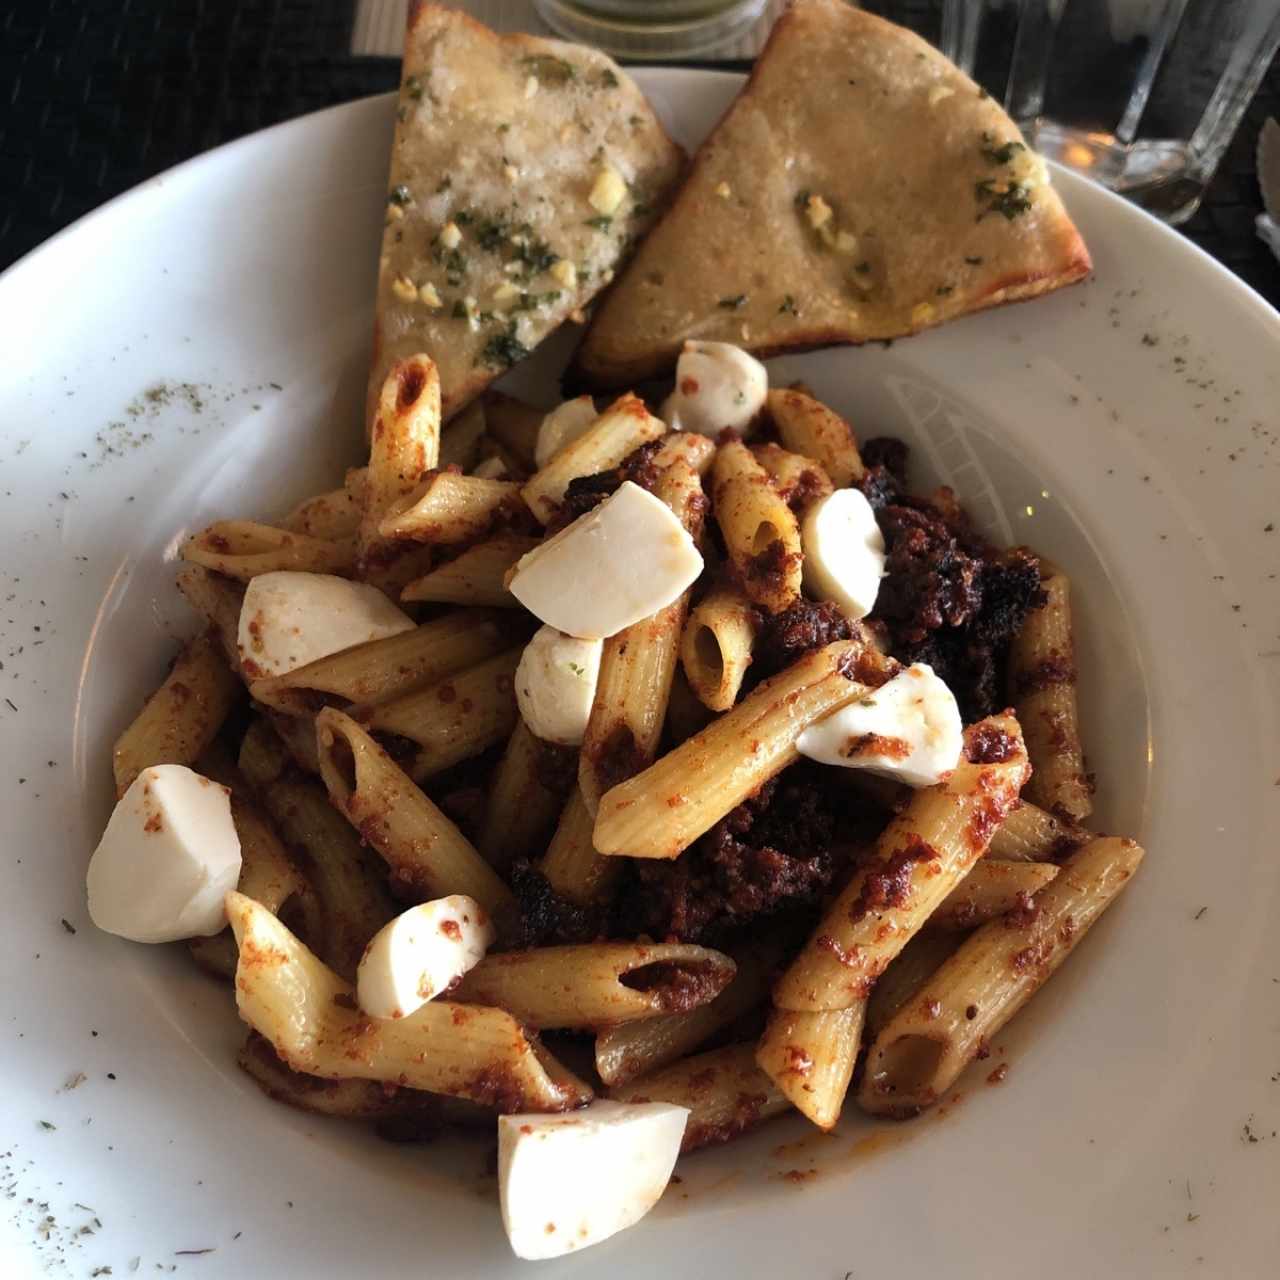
x=991, y=889
x=919, y=858
x=242, y=549
x=726, y=1094
x=404, y=446
x=427, y=855
x=715, y=648
x=636, y=668
x=759, y=529
x=623, y=427
x=309, y=1016
x=809, y=1056
x=800, y=481
x=354, y=902
x=382, y=670
x=698, y=452
x=909, y=970
x=596, y=984
x=686, y=715
x=334, y=516
x=526, y=796
x=217, y=600
x=352, y=1099
x=629, y=1050
x=448, y=508
x=1042, y=675
x=476, y=576
x=453, y=719
x=808, y=427
x=298, y=735
x=462, y=437
x=922, y=1050
x=663, y=810
x=179, y=720
x=1032, y=834
x=572, y=866
x=514, y=425
x=263, y=758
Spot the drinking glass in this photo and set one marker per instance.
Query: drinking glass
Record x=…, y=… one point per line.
x=1141, y=95
x=652, y=28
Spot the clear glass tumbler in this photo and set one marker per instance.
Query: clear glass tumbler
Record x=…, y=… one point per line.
x=1140, y=95
x=652, y=28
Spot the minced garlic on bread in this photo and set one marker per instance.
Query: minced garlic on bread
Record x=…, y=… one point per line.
x=860, y=187
x=522, y=172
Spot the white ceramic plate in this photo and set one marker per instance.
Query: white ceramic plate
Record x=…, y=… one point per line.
x=196, y=350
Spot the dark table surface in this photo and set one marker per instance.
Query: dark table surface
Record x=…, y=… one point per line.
x=103, y=94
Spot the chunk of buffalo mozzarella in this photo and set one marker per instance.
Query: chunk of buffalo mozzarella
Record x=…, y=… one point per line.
x=167, y=859
x=718, y=386
x=843, y=552
x=556, y=685
x=562, y=426
x=289, y=619
x=909, y=729
x=571, y=1180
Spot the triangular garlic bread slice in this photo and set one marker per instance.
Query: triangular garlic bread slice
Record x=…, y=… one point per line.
x=860, y=187
x=522, y=171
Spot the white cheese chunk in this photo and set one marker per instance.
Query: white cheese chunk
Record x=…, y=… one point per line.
x=289, y=619
x=718, y=386
x=909, y=729
x=556, y=685
x=420, y=953
x=562, y=426
x=569, y=1181
x=613, y=566
x=168, y=858
x=843, y=552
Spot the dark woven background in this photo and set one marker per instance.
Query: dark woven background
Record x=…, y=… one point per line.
x=102, y=94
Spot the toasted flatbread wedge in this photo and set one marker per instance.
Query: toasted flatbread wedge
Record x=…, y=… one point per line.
x=521, y=173
x=860, y=187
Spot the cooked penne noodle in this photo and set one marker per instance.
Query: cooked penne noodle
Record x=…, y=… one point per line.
x=666, y=808
x=461, y=438
x=572, y=866
x=267, y=875
x=448, y=508
x=636, y=668
x=726, y=1093
x=181, y=717
x=526, y=795
x=298, y=734
x=923, y=1049
x=632, y=1049
x=991, y=889
x=263, y=758
x=759, y=529
x=404, y=446
x=808, y=427
x=1042, y=675
x=596, y=984
x=800, y=481
x=354, y=902
x=348, y=1099
x=514, y=425
x=242, y=549
x=624, y=426
x=384, y=669
x=715, y=649
x=919, y=858
x=686, y=715
x=697, y=451
x=217, y=600
x=809, y=1055
x=453, y=719
x=909, y=970
x=309, y=1015
x=477, y=576
x=1032, y=834
x=428, y=856
x=334, y=516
